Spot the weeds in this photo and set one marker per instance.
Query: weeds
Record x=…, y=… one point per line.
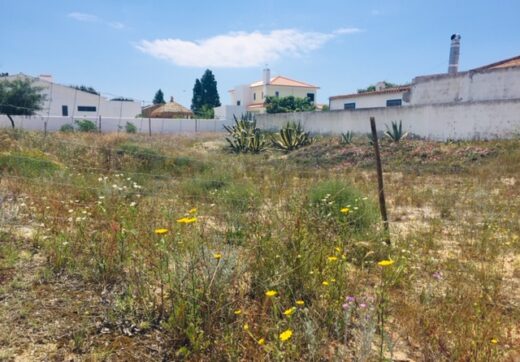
x=216, y=256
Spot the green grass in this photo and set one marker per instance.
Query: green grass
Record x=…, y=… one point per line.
x=275, y=222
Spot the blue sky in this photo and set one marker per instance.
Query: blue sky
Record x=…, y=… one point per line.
x=132, y=48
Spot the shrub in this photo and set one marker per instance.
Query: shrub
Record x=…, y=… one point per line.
x=28, y=164
x=343, y=204
x=130, y=127
x=67, y=128
x=396, y=133
x=84, y=125
x=346, y=138
x=292, y=136
x=245, y=136
x=147, y=158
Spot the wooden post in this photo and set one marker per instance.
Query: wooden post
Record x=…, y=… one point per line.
x=99, y=121
x=382, y=203
x=149, y=127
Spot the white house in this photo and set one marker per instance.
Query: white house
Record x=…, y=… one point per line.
x=67, y=101
x=251, y=97
x=381, y=97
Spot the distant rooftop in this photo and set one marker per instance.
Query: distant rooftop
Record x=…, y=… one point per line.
x=399, y=89
x=285, y=82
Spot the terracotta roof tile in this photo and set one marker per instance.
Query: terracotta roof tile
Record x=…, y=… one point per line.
x=285, y=82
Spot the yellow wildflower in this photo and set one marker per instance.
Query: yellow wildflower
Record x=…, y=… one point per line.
x=246, y=327
x=161, y=231
x=285, y=335
x=217, y=256
x=300, y=302
x=192, y=211
x=271, y=293
x=289, y=311
x=333, y=280
x=187, y=220
x=494, y=341
x=332, y=258
x=386, y=262
x=261, y=341
x=345, y=210
x=238, y=312
x=337, y=248
x=325, y=283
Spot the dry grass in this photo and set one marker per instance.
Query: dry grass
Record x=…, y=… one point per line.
x=84, y=276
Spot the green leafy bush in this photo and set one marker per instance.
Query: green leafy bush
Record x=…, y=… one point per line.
x=67, y=128
x=292, y=136
x=130, y=127
x=85, y=125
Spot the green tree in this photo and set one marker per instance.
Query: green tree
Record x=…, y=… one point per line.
x=205, y=95
x=159, y=97
x=209, y=89
x=19, y=98
x=196, y=100
x=288, y=104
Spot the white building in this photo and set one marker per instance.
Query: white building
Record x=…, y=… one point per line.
x=493, y=82
x=67, y=101
x=251, y=97
x=381, y=97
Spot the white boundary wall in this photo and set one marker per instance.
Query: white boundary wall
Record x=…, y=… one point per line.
x=471, y=120
x=158, y=125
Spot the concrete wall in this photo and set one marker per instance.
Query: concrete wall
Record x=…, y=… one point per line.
x=474, y=85
x=227, y=112
x=158, y=125
x=366, y=101
x=473, y=120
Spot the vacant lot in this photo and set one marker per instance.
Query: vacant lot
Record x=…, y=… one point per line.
x=167, y=248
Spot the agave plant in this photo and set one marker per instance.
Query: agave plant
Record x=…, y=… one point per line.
x=396, y=133
x=291, y=137
x=346, y=138
x=245, y=136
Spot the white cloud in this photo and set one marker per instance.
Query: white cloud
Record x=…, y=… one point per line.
x=342, y=31
x=83, y=17
x=116, y=25
x=239, y=49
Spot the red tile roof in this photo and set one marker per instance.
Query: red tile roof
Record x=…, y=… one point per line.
x=284, y=82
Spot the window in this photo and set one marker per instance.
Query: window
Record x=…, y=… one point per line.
x=65, y=111
x=86, y=109
x=349, y=105
x=254, y=96
x=393, y=103
x=277, y=94
x=310, y=96
x=238, y=103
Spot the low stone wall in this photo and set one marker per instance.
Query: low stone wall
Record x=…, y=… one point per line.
x=471, y=120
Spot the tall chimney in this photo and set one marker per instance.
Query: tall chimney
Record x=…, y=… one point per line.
x=266, y=76
x=453, y=66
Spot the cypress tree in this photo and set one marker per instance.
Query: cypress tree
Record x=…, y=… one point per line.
x=209, y=90
x=196, y=101
x=159, y=97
